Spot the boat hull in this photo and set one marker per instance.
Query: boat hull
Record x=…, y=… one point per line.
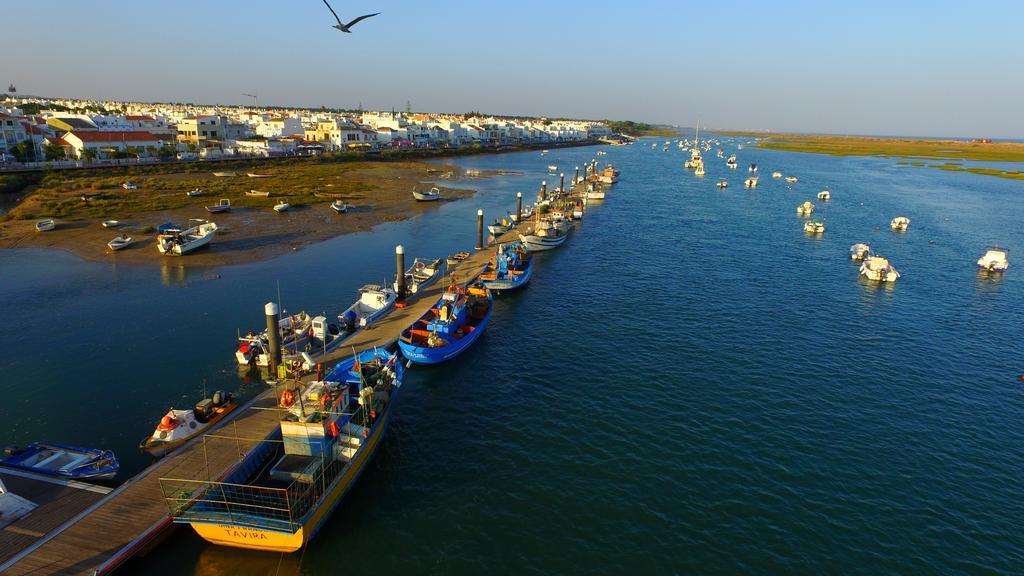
x=507, y=284
x=275, y=541
x=537, y=243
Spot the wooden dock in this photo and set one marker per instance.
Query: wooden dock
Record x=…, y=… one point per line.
x=93, y=533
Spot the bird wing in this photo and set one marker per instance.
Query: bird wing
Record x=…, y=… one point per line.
x=333, y=12
x=364, y=17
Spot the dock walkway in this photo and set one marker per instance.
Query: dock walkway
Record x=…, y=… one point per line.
x=94, y=535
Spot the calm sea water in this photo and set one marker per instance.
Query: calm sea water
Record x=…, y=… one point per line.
x=689, y=385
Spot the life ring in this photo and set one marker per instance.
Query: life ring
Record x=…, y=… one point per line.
x=287, y=398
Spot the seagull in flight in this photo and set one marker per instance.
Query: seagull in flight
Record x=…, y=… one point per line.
x=345, y=27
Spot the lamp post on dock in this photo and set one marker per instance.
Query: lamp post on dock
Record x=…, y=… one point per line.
x=480, y=229
x=400, y=271
x=577, y=178
x=561, y=182
x=273, y=337
x=519, y=207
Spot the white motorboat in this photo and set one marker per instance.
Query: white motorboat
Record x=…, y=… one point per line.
x=258, y=193
x=177, y=242
x=339, y=206
x=111, y=223
x=45, y=225
x=294, y=333
x=224, y=174
x=254, y=175
x=751, y=182
x=595, y=194
x=499, y=227
x=545, y=236
x=859, y=251
x=421, y=274
x=179, y=426
x=430, y=196
x=753, y=168
x=129, y=185
x=995, y=259
x=552, y=167
x=805, y=209
x=224, y=205
x=878, y=269
x=282, y=206
x=120, y=242
x=699, y=170
x=900, y=224
x=723, y=183
x=791, y=179
x=776, y=174
x=824, y=195
x=814, y=227
x=731, y=162
x=194, y=192
x=374, y=302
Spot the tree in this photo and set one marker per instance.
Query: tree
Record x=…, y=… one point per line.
x=88, y=154
x=53, y=151
x=24, y=151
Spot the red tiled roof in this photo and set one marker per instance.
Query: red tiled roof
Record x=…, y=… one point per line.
x=135, y=136
x=139, y=118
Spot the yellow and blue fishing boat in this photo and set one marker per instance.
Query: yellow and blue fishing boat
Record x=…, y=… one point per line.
x=283, y=491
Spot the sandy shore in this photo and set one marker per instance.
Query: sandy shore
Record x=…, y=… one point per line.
x=376, y=192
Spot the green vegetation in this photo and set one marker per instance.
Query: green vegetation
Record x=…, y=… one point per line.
x=917, y=164
x=905, y=147
x=15, y=183
x=630, y=128
x=953, y=167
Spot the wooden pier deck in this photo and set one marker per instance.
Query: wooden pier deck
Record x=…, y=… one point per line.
x=97, y=536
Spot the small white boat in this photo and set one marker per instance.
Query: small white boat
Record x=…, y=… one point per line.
x=805, y=209
x=753, y=168
x=258, y=193
x=878, y=269
x=776, y=174
x=723, y=183
x=900, y=224
x=421, y=274
x=699, y=170
x=224, y=205
x=179, y=426
x=545, y=236
x=731, y=162
x=120, y=242
x=814, y=227
x=294, y=334
x=177, y=242
x=499, y=227
x=824, y=195
x=859, y=251
x=224, y=174
x=791, y=179
x=552, y=167
x=374, y=302
x=129, y=185
x=111, y=223
x=995, y=259
x=751, y=182
x=595, y=194
x=430, y=196
x=282, y=206
x=339, y=206
x=45, y=225
x=194, y=192
x=254, y=175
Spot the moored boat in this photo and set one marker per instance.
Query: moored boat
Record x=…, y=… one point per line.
x=374, y=302
x=258, y=193
x=429, y=196
x=111, y=223
x=824, y=195
x=814, y=227
x=129, y=186
x=281, y=494
x=223, y=174
x=995, y=259
x=177, y=242
x=859, y=251
x=195, y=192
x=339, y=207
x=723, y=183
x=546, y=235
x=878, y=269
x=421, y=274
x=456, y=258
x=791, y=179
x=511, y=267
x=179, y=426
x=282, y=206
x=499, y=227
x=294, y=332
x=805, y=209
x=224, y=205
x=751, y=182
x=900, y=224
x=254, y=175
x=776, y=174
x=63, y=461
x=450, y=327
x=120, y=242
x=46, y=225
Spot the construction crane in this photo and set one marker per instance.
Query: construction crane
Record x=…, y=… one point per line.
x=253, y=96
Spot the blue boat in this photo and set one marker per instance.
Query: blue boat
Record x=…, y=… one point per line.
x=63, y=461
x=452, y=325
x=511, y=268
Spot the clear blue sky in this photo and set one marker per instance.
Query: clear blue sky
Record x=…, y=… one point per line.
x=922, y=68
